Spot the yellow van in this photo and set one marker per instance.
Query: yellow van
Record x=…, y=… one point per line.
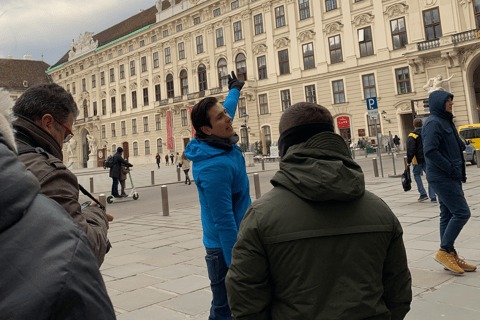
x=472, y=133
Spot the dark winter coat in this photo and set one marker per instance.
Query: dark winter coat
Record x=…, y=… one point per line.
x=59, y=183
x=48, y=269
x=318, y=246
x=415, y=147
x=117, y=160
x=442, y=147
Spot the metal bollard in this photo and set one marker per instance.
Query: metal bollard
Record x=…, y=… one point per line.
x=153, y=178
x=263, y=164
x=256, y=180
x=91, y=185
x=366, y=152
x=375, y=167
x=465, y=155
x=353, y=154
x=478, y=156
x=103, y=200
x=405, y=162
x=165, y=200
x=394, y=157
x=178, y=174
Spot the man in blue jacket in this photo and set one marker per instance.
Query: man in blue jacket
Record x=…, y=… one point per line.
x=443, y=152
x=223, y=187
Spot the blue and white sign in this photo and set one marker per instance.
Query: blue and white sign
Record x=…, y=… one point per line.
x=372, y=107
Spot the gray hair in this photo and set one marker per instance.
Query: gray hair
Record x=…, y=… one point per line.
x=43, y=99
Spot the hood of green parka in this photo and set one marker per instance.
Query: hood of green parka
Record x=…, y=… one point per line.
x=321, y=169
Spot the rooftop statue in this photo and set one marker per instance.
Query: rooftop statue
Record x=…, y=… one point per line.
x=84, y=44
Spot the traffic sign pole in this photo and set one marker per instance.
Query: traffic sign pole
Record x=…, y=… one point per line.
x=372, y=108
x=379, y=150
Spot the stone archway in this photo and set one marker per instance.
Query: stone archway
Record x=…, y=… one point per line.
x=471, y=67
x=85, y=149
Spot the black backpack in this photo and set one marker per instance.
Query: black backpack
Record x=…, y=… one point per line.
x=109, y=162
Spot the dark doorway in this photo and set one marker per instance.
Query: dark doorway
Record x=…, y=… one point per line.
x=407, y=126
x=85, y=150
x=346, y=135
x=185, y=142
x=126, y=152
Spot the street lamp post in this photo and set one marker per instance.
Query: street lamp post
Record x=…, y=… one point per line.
x=245, y=116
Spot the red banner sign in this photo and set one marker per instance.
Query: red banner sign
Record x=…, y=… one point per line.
x=193, y=129
x=343, y=122
x=169, y=131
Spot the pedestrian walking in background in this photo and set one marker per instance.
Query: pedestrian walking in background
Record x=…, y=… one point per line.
x=115, y=170
x=172, y=157
x=360, y=144
x=49, y=270
x=415, y=156
x=443, y=152
x=123, y=176
x=157, y=159
x=223, y=188
x=184, y=163
x=166, y=159
x=318, y=202
x=177, y=157
x=45, y=114
x=396, y=141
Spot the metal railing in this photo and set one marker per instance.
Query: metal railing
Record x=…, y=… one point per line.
x=196, y=95
x=177, y=99
x=466, y=36
x=216, y=90
x=163, y=102
x=430, y=44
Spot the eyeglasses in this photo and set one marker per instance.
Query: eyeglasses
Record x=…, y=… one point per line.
x=70, y=133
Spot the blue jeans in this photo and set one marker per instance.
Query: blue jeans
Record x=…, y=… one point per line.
x=417, y=170
x=454, y=211
x=115, y=187
x=217, y=270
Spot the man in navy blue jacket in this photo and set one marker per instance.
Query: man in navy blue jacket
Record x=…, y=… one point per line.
x=223, y=188
x=443, y=152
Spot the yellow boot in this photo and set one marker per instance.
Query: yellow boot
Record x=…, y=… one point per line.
x=448, y=261
x=462, y=264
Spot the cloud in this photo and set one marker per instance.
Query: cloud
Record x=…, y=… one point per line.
x=48, y=26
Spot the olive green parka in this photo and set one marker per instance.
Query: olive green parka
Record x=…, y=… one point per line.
x=318, y=246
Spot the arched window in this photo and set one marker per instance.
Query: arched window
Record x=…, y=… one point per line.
x=184, y=82
x=222, y=73
x=202, y=77
x=135, y=148
x=170, y=93
x=241, y=67
x=267, y=133
x=114, y=148
x=159, y=146
x=147, y=147
x=85, y=109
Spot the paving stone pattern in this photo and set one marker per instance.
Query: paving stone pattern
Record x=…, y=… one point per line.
x=156, y=268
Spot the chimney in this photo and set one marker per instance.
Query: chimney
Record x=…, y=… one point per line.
x=26, y=57
x=10, y=57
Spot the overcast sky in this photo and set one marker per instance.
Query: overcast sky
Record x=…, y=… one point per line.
x=36, y=27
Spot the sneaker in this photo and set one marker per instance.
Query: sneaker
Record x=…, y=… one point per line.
x=422, y=199
x=462, y=264
x=434, y=200
x=448, y=261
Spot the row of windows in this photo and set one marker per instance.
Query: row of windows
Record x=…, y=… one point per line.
x=431, y=21
x=402, y=78
x=158, y=125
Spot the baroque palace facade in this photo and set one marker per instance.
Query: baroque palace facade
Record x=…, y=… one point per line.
x=136, y=82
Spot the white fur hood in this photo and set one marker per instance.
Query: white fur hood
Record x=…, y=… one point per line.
x=6, y=118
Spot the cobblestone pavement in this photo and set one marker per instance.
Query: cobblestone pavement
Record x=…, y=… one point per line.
x=156, y=268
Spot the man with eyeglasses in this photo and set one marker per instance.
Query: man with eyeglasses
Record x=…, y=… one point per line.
x=45, y=115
